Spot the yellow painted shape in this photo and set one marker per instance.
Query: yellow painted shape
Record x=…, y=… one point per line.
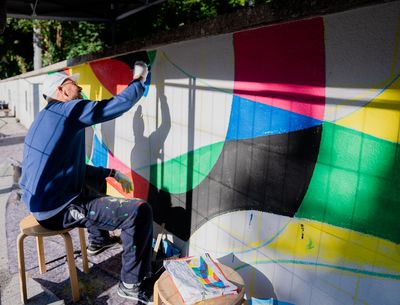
x=91, y=86
x=319, y=242
x=380, y=118
x=111, y=191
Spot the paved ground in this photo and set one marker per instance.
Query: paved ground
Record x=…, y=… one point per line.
x=97, y=287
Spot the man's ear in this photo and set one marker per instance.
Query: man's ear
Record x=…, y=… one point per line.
x=61, y=91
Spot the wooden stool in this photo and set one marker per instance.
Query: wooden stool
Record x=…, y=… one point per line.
x=30, y=227
x=166, y=293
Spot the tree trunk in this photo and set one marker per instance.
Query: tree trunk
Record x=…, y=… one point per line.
x=37, y=48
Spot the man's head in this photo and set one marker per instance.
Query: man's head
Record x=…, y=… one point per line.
x=62, y=87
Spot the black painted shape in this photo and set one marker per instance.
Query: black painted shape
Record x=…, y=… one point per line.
x=269, y=174
x=131, y=58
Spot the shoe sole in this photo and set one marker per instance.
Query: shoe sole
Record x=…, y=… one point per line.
x=123, y=295
x=91, y=252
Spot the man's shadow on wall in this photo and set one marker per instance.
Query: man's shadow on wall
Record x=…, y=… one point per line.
x=263, y=289
x=145, y=154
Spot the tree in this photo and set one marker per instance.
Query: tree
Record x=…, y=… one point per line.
x=65, y=40
x=14, y=54
x=174, y=13
x=59, y=41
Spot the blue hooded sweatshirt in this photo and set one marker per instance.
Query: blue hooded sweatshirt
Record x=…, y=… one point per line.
x=54, y=160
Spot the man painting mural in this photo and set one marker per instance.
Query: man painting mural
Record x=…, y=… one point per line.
x=55, y=177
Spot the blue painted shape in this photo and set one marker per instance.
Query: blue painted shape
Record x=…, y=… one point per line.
x=147, y=84
x=255, y=301
x=250, y=119
x=168, y=248
x=99, y=152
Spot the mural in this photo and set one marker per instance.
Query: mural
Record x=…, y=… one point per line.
x=275, y=149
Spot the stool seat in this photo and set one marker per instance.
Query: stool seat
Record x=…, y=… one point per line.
x=30, y=227
x=165, y=291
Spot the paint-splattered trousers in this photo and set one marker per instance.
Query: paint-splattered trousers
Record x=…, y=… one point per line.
x=102, y=214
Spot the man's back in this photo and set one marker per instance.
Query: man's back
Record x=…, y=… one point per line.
x=54, y=159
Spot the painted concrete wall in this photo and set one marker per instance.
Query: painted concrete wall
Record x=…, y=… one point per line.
x=23, y=97
x=275, y=149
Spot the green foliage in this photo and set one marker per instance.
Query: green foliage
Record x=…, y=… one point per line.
x=15, y=56
x=65, y=40
x=59, y=41
x=87, y=39
x=175, y=13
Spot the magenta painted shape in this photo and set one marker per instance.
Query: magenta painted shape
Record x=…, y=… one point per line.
x=283, y=66
x=141, y=185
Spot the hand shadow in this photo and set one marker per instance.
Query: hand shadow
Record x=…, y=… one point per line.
x=148, y=149
x=147, y=159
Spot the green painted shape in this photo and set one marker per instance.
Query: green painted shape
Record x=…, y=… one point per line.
x=310, y=245
x=355, y=184
x=151, y=55
x=185, y=172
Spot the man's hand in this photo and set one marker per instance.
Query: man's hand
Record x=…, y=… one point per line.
x=140, y=71
x=125, y=182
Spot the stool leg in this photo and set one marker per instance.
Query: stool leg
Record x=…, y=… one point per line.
x=156, y=295
x=82, y=240
x=40, y=252
x=71, y=266
x=21, y=267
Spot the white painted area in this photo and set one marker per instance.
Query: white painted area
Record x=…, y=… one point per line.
x=194, y=82
x=362, y=56
x=23, y=97
x=243, y=240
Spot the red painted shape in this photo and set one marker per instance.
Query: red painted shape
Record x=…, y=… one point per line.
x=283, y=66
x=140, y=184
x=113, y=74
